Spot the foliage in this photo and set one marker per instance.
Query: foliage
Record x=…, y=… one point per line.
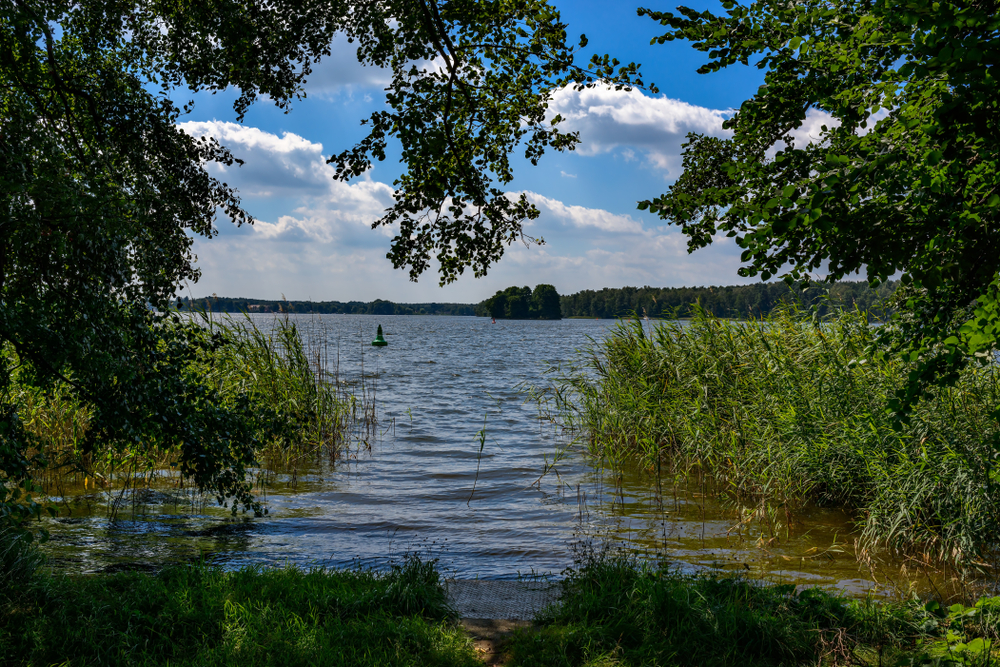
x=737, y=301
x=471, y=81
x=520, y=303
x=310, y=416
x=616, y=611
x=274, y=366
x=103, y=194
x=19, y=561
x=902, y=177
x=787, y=410
x=162, y=402
x=197, y=615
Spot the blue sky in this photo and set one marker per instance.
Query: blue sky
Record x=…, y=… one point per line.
x=313, y=238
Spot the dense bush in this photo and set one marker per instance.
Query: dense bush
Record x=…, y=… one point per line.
x=304, y=415
x=521, y=303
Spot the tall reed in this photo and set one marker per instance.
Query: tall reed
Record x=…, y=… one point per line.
x=321, y=418
x=785, y=410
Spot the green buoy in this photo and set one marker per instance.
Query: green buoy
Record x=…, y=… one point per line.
x=379, y=341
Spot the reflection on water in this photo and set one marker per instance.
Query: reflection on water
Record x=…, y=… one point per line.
x=443, y=383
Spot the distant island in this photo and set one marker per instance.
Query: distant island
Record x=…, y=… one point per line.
x=521, y=303
x=544, y=302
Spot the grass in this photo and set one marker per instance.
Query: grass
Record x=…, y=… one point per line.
x=785, y=411
x=195, y=615
x=620, y=612
x=272, y=365
x=615, y=612
x=296, y=381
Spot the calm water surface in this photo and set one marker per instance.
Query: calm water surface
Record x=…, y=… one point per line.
x=439, y=384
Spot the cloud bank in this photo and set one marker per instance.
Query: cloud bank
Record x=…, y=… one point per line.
x=318, y=243
x=624, y=121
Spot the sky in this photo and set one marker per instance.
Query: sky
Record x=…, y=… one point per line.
x=313, y=238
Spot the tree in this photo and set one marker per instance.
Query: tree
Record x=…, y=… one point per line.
x=102, y=194
x=521, y=303
x=545, y=303
x=903, y=177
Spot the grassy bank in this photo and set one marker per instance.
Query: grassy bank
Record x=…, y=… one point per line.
x=193, y=615
x=615, y=611
x=618, y=612
x=784, y=411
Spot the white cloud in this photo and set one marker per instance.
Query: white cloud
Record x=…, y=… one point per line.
x=811, y=129
x=582, y=217
x=289, y=167
x=620, y=122
x=274, y=166
x=319, y=244
x=608, y=119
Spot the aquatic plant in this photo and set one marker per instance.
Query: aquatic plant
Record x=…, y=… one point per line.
x=787, y=410
x=294, y=390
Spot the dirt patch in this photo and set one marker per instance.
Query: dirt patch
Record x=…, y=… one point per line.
x=490, y=636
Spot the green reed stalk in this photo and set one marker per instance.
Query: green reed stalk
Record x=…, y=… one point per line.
x=786, y=410
x=273, y=367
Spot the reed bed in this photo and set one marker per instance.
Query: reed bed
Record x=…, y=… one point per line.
x=328, y=415
x=785, y=410
x=323, y=420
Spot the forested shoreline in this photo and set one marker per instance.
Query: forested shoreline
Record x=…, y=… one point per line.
x=732, y=301
x=219, y=304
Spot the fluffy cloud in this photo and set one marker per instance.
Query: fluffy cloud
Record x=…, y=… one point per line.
x=609, y=120
x=318, y=242
x=620, y=122
x=581, y=217
x=294, y=169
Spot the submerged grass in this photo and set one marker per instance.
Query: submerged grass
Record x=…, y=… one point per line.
x=195, y=615
x=782, y=411
x=617, y=611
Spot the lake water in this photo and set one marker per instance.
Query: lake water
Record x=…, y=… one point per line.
x=440, y=384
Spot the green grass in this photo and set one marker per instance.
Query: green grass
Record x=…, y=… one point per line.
x=615, y=611
x=785, y=411
x=194, y=615
x=319, y=418
x=619, y=612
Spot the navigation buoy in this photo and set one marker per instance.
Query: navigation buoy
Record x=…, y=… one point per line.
x=379, y=341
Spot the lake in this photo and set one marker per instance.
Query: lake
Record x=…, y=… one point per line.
x=443, y=387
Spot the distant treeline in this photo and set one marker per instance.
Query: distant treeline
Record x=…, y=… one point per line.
x=220, y=304
x=737, y=301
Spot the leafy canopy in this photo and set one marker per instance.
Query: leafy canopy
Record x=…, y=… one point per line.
x=903, y=177
x=102, y=194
